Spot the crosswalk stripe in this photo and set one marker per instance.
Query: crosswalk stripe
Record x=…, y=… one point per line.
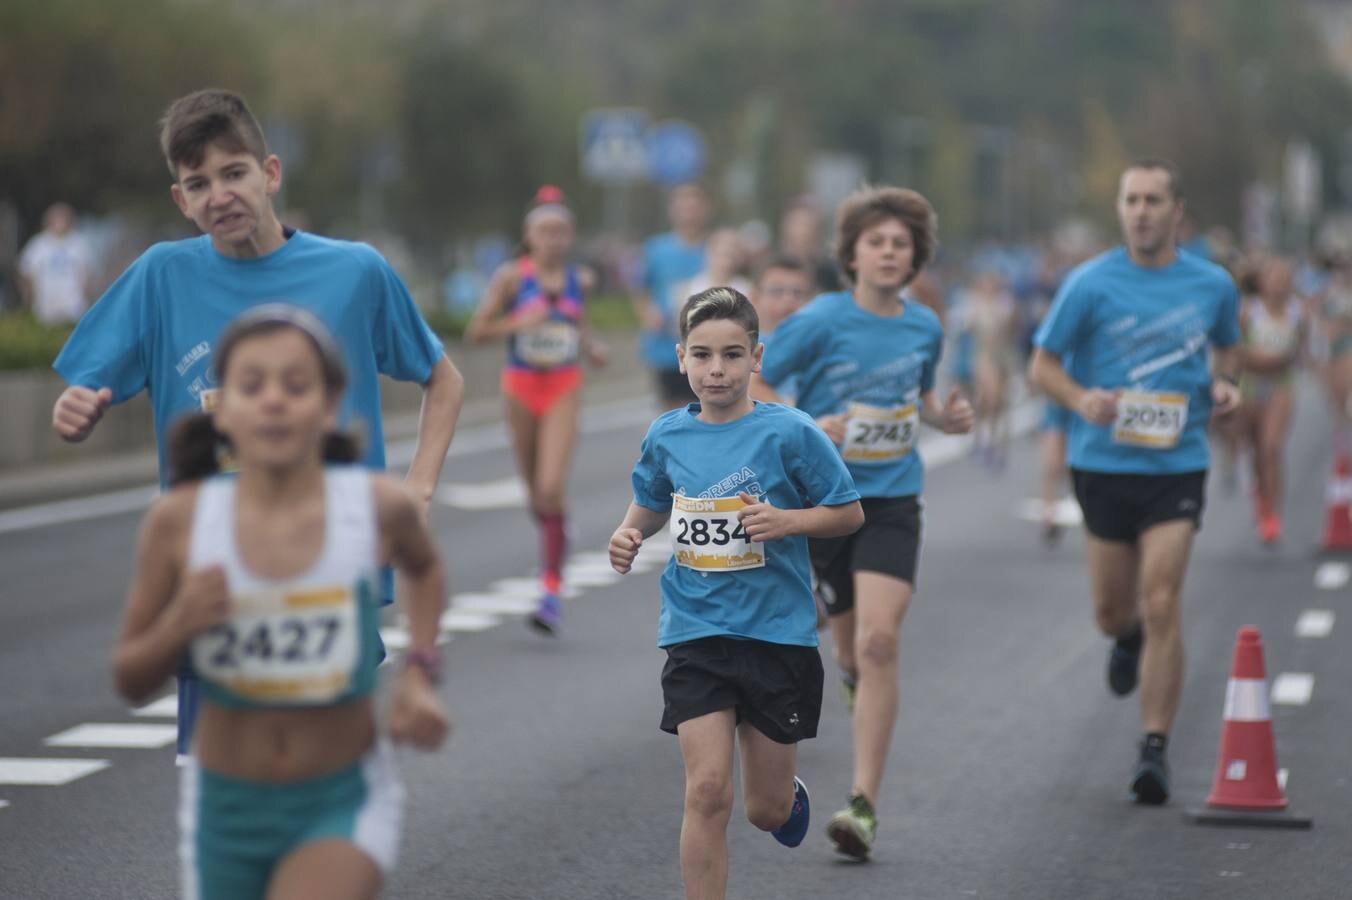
x=165, y=707
x=517, y=604
x=465, y=620
x=53, y=772
x=139, y=735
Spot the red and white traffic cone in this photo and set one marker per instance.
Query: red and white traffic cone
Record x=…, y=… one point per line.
x=1338, y=512
x=1244, y=790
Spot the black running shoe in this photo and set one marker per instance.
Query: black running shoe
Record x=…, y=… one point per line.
x=1150, y=784
x=1124, y=661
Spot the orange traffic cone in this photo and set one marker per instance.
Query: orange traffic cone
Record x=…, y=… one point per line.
x=1245, y=790
x=1338, y=516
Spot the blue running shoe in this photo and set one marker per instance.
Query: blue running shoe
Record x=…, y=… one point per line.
x=547, y=616
x=791, y=833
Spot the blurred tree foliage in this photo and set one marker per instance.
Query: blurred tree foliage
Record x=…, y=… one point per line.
x=439, y=123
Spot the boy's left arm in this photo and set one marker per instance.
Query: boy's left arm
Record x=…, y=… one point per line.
x=443, y=396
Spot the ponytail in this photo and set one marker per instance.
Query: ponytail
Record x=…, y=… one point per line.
x=192, y=447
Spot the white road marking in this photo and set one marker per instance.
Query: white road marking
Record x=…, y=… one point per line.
x=500, y=494
x=527, y=587
x=1315, y=623
x=465, y=620
x=591, y=576
x=139, y=736
x=517, y=604
x=1330, y=576
x=47, y=771
x=165, y=707
x=396, y=639
x=4, y=803
x=1293, y=688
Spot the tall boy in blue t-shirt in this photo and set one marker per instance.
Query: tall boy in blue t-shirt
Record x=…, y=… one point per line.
x=155, y=328
x=743, y=485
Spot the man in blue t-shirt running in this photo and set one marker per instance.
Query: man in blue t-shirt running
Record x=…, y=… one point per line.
x=155, y=327
x=1133, y=327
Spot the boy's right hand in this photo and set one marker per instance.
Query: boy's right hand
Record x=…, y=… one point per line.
x=201, y=602
x=78, y=410
x=624, y=544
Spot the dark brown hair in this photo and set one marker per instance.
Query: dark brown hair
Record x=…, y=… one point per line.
x=870, y=205
x=720, y=303
x=194, y=444
x=193, y=123
x=1160, y=164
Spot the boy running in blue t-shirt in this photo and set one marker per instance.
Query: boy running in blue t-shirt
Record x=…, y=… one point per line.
x=865, y=361
x=743, y=485
x=155, y=329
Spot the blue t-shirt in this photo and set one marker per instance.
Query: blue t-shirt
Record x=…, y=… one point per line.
x=155, y=327
x=667, y=261
x=788, y=386
x=1142, y=329
x=844, y=354
x=774, y=452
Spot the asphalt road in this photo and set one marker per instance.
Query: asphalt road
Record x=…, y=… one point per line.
x=1008, y=773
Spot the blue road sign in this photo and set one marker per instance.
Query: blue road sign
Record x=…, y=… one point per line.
x=612, y=145
x=676, y=152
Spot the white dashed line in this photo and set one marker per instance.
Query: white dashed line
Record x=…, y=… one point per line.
x=47, y=771
x=1293, y=688
x=501, y=494
x=514, y=604
x=1315, y=623
x=137, y=736
x=1331, y=576
x=527, y=587
x=163, y=708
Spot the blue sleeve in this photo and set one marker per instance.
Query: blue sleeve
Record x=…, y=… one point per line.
x=1061, y=328
x=652, y=487
x=817, y=469
x=113, y=344
x=406, y=348
x=1225, y=332
x=790, y=349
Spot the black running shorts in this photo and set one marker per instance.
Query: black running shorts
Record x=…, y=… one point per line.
x=1119, y=507
x=888, y=543
x=775, y=687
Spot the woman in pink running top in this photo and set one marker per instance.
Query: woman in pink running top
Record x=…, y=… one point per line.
x=534, y=302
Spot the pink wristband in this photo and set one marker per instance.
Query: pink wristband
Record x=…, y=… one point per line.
x=428, y=661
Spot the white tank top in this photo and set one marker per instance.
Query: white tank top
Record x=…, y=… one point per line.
x=1277, y=335
x=311, y=640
